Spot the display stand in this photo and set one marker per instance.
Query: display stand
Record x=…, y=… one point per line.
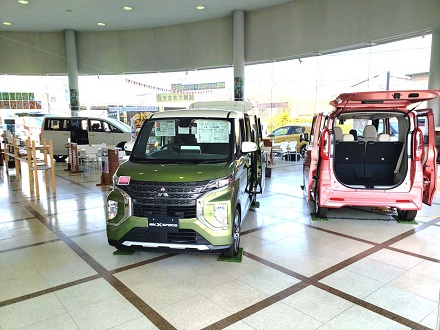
x=110, y=163
x=73, y=164
x=28, y=154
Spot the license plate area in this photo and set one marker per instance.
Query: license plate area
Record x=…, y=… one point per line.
x=157, y=223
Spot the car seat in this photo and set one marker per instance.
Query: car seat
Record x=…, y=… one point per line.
x=370, y=133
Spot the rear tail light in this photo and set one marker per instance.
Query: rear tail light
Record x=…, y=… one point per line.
x=325, y=144
x=418, y=144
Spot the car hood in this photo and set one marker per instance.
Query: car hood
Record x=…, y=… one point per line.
x=175, y=172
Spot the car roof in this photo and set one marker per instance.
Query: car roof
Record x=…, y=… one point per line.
x=382, y=100
x=198, y=113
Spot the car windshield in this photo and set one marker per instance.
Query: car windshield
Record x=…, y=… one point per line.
x=183, y=140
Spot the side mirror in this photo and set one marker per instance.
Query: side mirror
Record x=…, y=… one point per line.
x=248, y=147
x=304, y=137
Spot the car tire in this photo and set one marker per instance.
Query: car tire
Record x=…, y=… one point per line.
x=320, y=212
x=303, y=151
x=59, y=158
x=232, y=251
x=408, y=215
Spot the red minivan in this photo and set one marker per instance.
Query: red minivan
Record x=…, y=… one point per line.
x=374, y=149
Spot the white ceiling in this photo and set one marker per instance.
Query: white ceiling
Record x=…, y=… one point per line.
x=83, y=15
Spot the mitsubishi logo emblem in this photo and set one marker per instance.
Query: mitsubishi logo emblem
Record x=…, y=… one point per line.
x=162, y=192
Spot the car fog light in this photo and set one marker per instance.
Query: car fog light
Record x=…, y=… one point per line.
x=112, y=209
x=221, y=213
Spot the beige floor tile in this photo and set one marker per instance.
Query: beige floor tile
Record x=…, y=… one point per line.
x=402, y=303
x=234, y=296
x=396, y=259
x=376, y=270
x=428, y=268
x=352, y=283
x=62, y=321
x=206, y=277
x=268, y=280
x=63, y=266
x=193, y=313
x=105, y=314
x=14, y=212
x=358, y=318
x=349, y=245
x=143, y=281
x=240, y=325
x=417, y=284
x=317, y=303
x=432, y=321
x=183, y=263
x=281, y=316
x=136, y=324
x=30, y=311
x=22, y=285
x=85, y=294
x=96, y=245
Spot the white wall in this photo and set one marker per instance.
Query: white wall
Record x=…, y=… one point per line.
x=296, y=29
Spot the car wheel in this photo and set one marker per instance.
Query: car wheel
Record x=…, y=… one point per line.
x=408, y=215
x=60, y=158
x=303, y=151
x=320, y=212
x=232, y=251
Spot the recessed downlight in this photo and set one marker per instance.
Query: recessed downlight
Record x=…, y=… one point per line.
x=23, y=2
x=127, y=8
x=101, y=24
x=200, y=7
x=7, y=23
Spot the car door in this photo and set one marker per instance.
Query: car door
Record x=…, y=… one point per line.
x=425, y=122
x=100, y=132
x=310, y=167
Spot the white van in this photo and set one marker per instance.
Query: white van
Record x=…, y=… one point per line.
x=83, y=130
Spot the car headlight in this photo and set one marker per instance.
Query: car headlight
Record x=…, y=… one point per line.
x=218, y=183
x=112, y=209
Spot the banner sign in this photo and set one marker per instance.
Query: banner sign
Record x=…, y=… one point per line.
x=173, y=97
x=197, y=87
x=18, y=100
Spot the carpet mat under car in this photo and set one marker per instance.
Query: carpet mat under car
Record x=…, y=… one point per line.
x=123, y=252
x=237, y=258
x=363, y=213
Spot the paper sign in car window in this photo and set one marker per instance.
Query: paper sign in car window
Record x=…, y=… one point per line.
x=212, y=131
x=165, y=128
x=183, y=130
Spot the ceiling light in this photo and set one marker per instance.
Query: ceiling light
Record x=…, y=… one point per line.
x=7, y=23
x=200, y=7
x=127, y=8
x=23, y=2
x=101, y=24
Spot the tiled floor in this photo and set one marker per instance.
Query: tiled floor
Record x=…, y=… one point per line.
x=359, y=270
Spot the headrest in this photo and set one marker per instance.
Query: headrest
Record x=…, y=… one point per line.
x=383, y=137
x=347, y=137
x=370, y=132
x=338, y=133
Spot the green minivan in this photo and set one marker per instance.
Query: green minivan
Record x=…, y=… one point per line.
x=191, y=179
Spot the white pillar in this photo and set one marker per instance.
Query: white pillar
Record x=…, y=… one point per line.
x=434, y=73
x=72, y=71
x=238, y=54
